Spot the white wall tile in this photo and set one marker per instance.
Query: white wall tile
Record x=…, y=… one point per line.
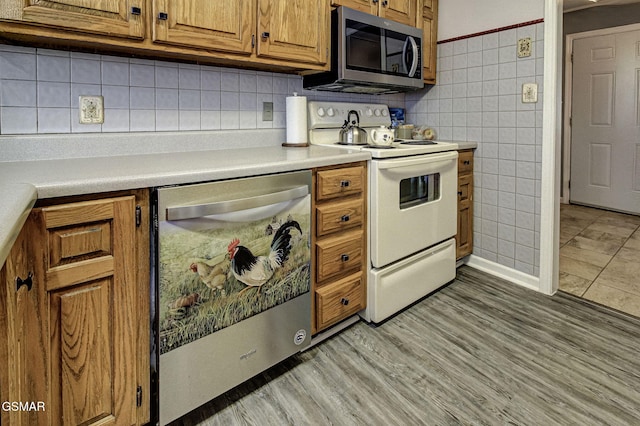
x=54, y=120
x=142, y=120
x=17, y=66
x=85, y=71
x=18, y=93
x=54, y=68
x=116, y=120
x=19, y=120
x=115, y=73
x=167, y=120
x=189, y=120
x=54, y=94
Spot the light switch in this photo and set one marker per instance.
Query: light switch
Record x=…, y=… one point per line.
x=529, y=93
x=267, y=111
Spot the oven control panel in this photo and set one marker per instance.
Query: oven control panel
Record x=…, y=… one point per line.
x=326, y=114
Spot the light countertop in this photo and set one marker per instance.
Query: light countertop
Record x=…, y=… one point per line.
x=23, y=181
x=39, y=167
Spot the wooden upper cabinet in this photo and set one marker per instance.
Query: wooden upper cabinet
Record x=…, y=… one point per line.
x=296, y=30
x=223, y=25
x=428, y=21
x=120, y=18
x=403, y=11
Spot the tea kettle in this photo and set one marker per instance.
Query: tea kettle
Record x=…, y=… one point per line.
x=351, y=132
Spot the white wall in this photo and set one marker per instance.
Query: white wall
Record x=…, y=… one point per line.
x=463, y=17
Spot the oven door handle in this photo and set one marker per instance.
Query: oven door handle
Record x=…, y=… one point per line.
x=228, y=206
x=417, y=160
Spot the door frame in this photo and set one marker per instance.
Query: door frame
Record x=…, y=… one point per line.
x=568, y=93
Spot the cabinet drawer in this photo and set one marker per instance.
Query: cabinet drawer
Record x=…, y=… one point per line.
x=465, y=161
x=340, y=182
x=337, y=255
x=338, y=216
x=339, y=300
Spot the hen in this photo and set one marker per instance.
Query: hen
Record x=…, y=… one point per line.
x=254, y=271
x=212, y=276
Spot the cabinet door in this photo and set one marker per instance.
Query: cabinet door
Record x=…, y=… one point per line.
x=464, y=237
x=224, y=25
x=86, y=280
x=295, y=30
x=19, y=370
x=122, y=18
x=429, y=40
x=403, y=11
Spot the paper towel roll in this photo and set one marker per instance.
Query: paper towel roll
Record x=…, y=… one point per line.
x=296, y=117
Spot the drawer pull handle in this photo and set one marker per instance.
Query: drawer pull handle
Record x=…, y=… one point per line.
x=136, y=10
x=345, y=218
x=345, y=183
x=344, y=257
x=27, y=281
x=466, y=162
x=265, y=34
x=344, y=301
x=163, y=16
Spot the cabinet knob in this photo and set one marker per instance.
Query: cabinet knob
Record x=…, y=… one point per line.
x=344, y=257
x=460, y=193
x=136, y=10
x=375, y=1
x=265, y=34
x=163, y=16
x=27, y=281
x=344, y=301
x=345, y=218
x=385, y=3
x=466, y=162
x=345, y=183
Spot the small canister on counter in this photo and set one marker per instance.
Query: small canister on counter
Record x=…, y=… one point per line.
x=405, y=131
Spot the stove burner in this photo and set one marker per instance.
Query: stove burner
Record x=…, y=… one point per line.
x=418, y=143
x=381, y=147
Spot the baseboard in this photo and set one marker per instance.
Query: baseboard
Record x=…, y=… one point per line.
x=504, y=272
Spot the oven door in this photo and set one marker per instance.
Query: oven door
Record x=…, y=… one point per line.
x=413, y=204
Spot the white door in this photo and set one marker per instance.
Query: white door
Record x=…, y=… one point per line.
x=605, y=133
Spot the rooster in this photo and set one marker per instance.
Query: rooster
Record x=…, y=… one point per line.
x=254, y=271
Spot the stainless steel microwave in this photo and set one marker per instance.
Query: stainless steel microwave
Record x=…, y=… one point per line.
x=370, y=55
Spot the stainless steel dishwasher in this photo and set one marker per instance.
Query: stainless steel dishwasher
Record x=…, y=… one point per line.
x=231, y=282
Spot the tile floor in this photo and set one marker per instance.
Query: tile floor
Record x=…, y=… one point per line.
x=600, y=256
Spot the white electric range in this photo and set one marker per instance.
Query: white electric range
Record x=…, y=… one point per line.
x=412, y=214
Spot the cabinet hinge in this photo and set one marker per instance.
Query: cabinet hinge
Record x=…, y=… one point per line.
x=138, y=216
x=253, y=41
x=139, y=396
x=572, y=57
x=570, y=121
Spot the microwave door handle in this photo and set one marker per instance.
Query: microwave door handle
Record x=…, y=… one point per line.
x=228, y=206
x=414, y=55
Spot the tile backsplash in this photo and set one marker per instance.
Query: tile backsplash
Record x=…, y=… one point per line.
x=40, y=89
x=479, y=98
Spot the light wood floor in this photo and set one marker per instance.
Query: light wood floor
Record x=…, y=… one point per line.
x=600, y=256
x=479, y=351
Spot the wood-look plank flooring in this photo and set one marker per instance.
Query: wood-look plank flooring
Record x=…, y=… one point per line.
x=480, y=351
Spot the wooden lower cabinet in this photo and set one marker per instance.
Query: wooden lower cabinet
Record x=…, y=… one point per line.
x=464, y=237
x=80, y=332
x=339, y=243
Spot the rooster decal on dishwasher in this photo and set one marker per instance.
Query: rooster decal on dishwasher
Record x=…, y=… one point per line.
x=254, y=271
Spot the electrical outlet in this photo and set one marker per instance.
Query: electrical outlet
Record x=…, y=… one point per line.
x=524, y=47
x=529, y=93
x=267, y=111
x=91, y=110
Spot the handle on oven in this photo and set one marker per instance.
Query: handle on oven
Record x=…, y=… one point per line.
x=417, y=160
x=228, y=206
